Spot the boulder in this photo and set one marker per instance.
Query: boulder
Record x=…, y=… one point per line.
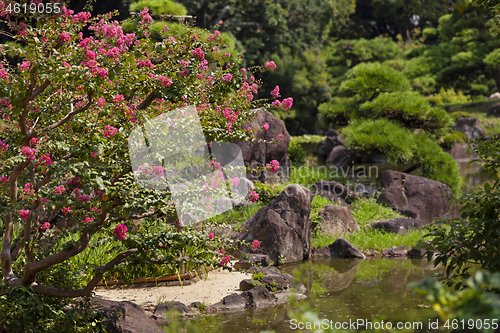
x=334, y=198
x=258, y=296
x=229, y=303
x=337, y=221
x=398, y=225
x=341, y=248
x=418, y=253
x=121, y=317
x=458, y=151
x=335, y=188
x=332, y=140
x=365, y=190
x=493, y=96
x=416, y=197
x=162, y=309
x=494, y=110
x=336, y=154
x=254, y=259
x=470, y=126
x=282, y=227
x=248, y=284
x=259, y=154
x=395, y=251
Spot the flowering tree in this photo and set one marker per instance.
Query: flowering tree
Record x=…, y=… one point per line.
x=67, y=111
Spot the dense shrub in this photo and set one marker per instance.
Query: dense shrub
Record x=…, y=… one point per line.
x=296, y=153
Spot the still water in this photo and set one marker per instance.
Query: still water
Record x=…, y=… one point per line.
x=343, y=290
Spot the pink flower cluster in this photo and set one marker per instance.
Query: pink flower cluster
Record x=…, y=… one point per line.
x=4, y=180
x=225, y=260
x=118, y=99
x=110, y=131
x=184, y=63
x=88, y=219
x=255, y=245
x=66, y=210
x=60, y=189
x=280, y=137
x=265, y=126
x=82, y=17
x=158, y=170
x=227, y=77
x=24, y=214
x=146, y=63
x=146, y=18
x=211, y=236
x=45, y=159
x=235, y=181
x=33, y=142
x=165, y=81
x=198, y=53
x=253, y=197
x=25, y=65
x=270, y=65
x=27, y=188
x=273, y=166
x=29, y=153
x=45, y=226
x=65, y=37
x=3, y=146
x=276, y=92
x=287, y=103
x=120, y=231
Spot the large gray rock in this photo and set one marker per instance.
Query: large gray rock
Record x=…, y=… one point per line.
x=259, y=154
x=336, y=154
x=162, y=309
x=494, y=110
x=335, y=188
x=332, y=140
x=333, y=198
x=416, y=197
x=341, y=248
x=470, y=126
x=458, y=151
x=337, y=221
x=282, y=227
x=121, y=317
x=398, y=225
x=253, y=298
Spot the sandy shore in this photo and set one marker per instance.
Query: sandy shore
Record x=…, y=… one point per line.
x=211, y=290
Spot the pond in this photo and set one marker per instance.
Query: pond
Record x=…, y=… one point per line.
x=343, y=290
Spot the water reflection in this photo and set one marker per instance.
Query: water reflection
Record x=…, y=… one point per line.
x=342, y=290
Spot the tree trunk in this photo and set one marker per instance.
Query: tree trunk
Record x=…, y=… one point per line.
x=496, y=76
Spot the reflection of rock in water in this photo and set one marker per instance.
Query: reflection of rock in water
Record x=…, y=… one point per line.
x=342, y=265
x=424, y=264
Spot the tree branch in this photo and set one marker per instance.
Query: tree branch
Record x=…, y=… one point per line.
x=35, y=267
x=69, y=115
x=147, y=101
x=5, y=256
x=51, y=291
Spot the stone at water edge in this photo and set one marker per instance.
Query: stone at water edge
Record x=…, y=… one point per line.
x=248, y=284
x=120, y=317
x=337, y=221
x=416, y=197
x=470, y=126
x=162, y=309
x=336, y=154
x=258, y=296
x=282, y=227
x=341, y=248
x=395, y=251
x=398, y=225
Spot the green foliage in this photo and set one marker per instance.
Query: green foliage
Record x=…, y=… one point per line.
x=268, y=192
x=307, y=138
x=368, y=210
x=449, y=96
x=296, y=154
x=378, y=240
x=367, y=80
x=477, y=303
x=493, y=59
x=22, y=311
x=159, y=7
x=257, y=276
x=381, y=135
x=450, y=139
x=409, y=108
x=337, y=112
x=460, y=114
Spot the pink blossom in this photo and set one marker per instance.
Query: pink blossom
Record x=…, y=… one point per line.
x=84, y=197
x=88, y=220
x=66, y=210
x=33, y=142
x=276, y=103
x=45, y=226
x=27, y=188
x=158, y=170
x=65, y=37
x=4, y=179
x=3, y=146
x=44, y=200
x=198, y=53
x=287, y=103
x=227, y=54
x=146, y=63
x=211, y=236
x=118, y=98
x=224, y=260
x=120, y=231
x=227, y=77
x=165, y=81
x=184, y=63
x=60, y=189
x=29, y=153
x=276, y=92
x=146, y=18
x=235, y=181
x=45, y=160
x=265, y=126
x=110, y=131
x=25, y=65
x=253, y=197
x=273, y=166
x=217, y=33
x=24, y=214
x=220, y=22
x=65, y=64
x=249, y=129
x=280, y=137
x=270, y=65
x=82, y=17
x=93, y=155
x=243, y=70
x=255, y=245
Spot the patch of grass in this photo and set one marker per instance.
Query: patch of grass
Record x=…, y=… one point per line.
x=320, y=240
x=367, y=210
x=307, y=138
x=378, y=240
x=236, y=215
